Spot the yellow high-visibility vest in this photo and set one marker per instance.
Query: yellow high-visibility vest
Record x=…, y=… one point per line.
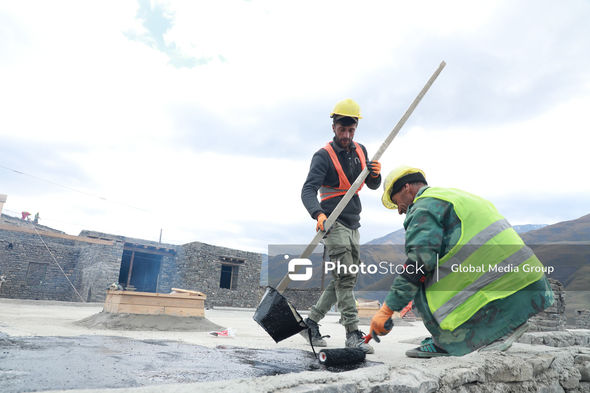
x=490, y=261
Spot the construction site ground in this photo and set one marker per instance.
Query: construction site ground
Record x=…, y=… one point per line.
x=43, y=347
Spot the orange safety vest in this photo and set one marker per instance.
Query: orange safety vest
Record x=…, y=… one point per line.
x=327, y=192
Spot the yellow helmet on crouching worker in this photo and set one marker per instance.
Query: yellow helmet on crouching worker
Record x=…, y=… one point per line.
x=396, y=179
x=348, y=108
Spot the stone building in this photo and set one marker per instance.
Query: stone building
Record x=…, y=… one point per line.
x=41, y=263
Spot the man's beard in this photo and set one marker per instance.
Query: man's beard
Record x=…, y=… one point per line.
x=342, y=140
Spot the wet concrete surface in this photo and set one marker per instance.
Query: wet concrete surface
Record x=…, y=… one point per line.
x=92, y=361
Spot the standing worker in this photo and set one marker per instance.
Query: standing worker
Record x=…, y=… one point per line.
x=473, y=280
x=333, y=169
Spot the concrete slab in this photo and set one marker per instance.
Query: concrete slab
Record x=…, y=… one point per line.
x=531, y=366
x=48, y=318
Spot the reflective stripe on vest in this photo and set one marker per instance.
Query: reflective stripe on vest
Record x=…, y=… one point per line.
x=327, y=192
x=469, y=248
x=489, y=262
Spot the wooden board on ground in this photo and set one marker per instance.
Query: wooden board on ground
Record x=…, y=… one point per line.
x=190, y=292
x=367, y=310
x=133, y=302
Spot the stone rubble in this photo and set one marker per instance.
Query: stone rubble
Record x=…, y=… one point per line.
x=553, y=318
x=583, y=319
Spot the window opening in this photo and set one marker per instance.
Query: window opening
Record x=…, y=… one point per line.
x=229, y=277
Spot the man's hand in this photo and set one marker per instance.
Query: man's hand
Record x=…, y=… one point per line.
x=375, y=168
x=320, y=225
x=379, y=323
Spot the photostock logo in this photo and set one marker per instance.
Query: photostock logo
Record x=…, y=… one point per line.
x=294, y=267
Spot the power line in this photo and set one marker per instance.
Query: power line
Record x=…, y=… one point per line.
x=59, y=266
x=73, y=189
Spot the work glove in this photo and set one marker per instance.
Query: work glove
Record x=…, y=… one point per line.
x=320, y=225
x=381, y=323
x=375, y=168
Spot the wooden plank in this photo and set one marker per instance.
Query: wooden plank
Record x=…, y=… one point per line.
x=178, y=290
x=156, y=310
x=109, y=307
x=184, y=312
x=139, y=309
x=161, y=301
x=364, y=312
x=131, y=302
x=153, y=294
x=153, y=250
x=130, y=269
x=14, y=228
x=112, y=298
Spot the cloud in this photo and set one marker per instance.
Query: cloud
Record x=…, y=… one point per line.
x=40, y=167
x=157, y=21
x=201, y=117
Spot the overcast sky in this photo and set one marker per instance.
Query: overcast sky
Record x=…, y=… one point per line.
x=200, y=117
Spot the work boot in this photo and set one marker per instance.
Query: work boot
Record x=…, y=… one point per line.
x=355, y=339
x=317, y=340
x=503, y=343
x=426, y=350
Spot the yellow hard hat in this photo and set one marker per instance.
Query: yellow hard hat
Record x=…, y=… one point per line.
x=347, y=107
x=395, y=175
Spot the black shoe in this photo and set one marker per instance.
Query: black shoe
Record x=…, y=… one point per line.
x=356, y=339
x=317, y=340
x=427, y=349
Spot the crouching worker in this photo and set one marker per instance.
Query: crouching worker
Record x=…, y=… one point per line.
x=473, y=280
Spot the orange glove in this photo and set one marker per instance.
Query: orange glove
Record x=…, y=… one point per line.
x=375, y=168
x=321, y=218
x=379, y=323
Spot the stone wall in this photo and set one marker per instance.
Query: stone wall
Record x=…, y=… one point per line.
x=302, y=299
x=200, y=269
x=33, y=262
x=92, y=262
x=583, y=319
x=30, y=270
x=169, y=274
x=97, y=267
x=553, y=318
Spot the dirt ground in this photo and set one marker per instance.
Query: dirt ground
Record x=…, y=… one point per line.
x=168, y=323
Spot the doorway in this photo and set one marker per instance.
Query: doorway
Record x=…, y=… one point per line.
x=140, y=270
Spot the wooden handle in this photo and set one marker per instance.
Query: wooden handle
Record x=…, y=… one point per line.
x=361, y=178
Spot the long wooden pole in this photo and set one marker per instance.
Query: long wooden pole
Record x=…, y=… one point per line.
x=361, y=178
x=130, y=269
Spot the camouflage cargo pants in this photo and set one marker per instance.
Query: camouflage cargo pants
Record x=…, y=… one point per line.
x=342, y=245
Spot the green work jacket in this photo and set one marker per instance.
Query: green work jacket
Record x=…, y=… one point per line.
x=433, y=229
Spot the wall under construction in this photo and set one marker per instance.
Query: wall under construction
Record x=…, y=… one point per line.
x=39, y=263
